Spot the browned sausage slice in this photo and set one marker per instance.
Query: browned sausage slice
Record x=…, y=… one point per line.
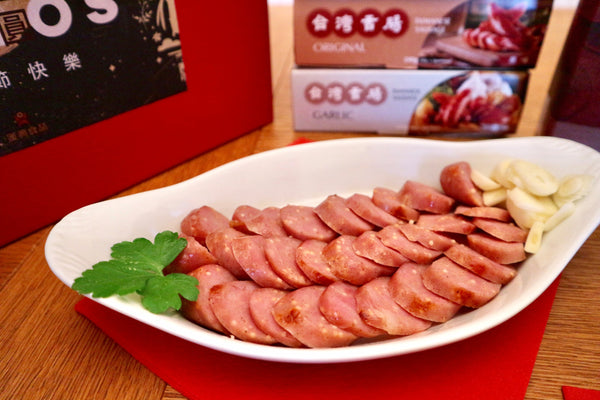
x=364, y=207
x=407, y=289
x=392, y=237
x=457, y=284
x=506, y=231
x=219, y=244
x=311, y=261
x=369, y=245
x=200, y=310
x=262, y=302
x=450, y=223
x=230, y=302
x=334, y=212
x=298, y=313
x=303, y=223
x=193, y=256
x=267, y=223
x=425, y=198
x=202, y=221
x=426, y=237
x=338, y=305
x=377, y=308
x=350, y=267
x=498, y=250
x=281, y=254
x=249, y=251
x=389, y=201
x=242, y=214
x=496, y=213
x=456, y=183
x=481, y=265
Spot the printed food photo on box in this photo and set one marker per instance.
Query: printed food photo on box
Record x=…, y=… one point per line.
x=420, y=34
x=408, y=102
x=473, y=102
x=499, y=33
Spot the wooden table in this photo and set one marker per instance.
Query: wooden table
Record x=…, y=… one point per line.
x=47, y=351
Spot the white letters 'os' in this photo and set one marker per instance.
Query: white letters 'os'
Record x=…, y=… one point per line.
x=106, y=11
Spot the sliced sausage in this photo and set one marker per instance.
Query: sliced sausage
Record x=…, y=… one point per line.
x=310, y=259
x=242, y=214
x=200, y=310
x=230, y=302
x=428, y=238
x=202, y=221
x=281, y=254
x=498, y=250
x=369, y=245
x=456, y=183
x=261, y=303
x=363, y=206
x=496, y=213
x=389, y=201
x=350, y=267
x=407, y=289
x=377, y=308
x=267, y=223
x=334, y=212
x=481, y=265
x=249, y=251
x=506, y=231
x=219, y=244
x=392, y=237
x=425, y=198
x=303, y=223
x=451, y=223
x=457, y=284
x=338, y=305
x=298, y=313
x=193, y=256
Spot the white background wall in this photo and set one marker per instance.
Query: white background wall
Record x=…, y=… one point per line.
x=557, y=3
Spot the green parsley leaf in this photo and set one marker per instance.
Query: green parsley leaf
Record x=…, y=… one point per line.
x=147, y=255
x=108, y=278
x=162, y=292
x=137, y=266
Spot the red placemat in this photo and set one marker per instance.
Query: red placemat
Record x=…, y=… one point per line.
x=575, y=393
x=496, y=364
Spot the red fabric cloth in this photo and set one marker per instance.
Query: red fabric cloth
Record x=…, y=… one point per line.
x=496, y=364
x=574, y=393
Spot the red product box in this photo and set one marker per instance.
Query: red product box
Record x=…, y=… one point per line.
x=420, y=34
x=227, y=93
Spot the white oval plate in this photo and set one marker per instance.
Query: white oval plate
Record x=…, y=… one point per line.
x=306, y=174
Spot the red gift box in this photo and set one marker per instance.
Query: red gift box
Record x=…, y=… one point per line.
x=227, y=65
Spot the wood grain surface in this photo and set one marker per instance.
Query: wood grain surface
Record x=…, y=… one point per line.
x=47, y=351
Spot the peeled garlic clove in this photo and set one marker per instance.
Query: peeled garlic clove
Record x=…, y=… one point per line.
x=534, y=237
x=563, y=213
x=532, y=178
x=572, y=188
x=529, y=202
x=526, y=209
x=494, y=197
x=483, y=182
x=500, y=175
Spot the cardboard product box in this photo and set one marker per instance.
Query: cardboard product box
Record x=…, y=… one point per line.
x=434, y=102
x=96, y=96
x=420, y=33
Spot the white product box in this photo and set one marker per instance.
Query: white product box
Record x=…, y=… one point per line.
x=408, y=102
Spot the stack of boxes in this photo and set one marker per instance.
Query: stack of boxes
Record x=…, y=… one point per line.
x=415, y=67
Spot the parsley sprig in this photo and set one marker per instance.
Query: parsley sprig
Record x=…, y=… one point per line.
x=137, y=266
